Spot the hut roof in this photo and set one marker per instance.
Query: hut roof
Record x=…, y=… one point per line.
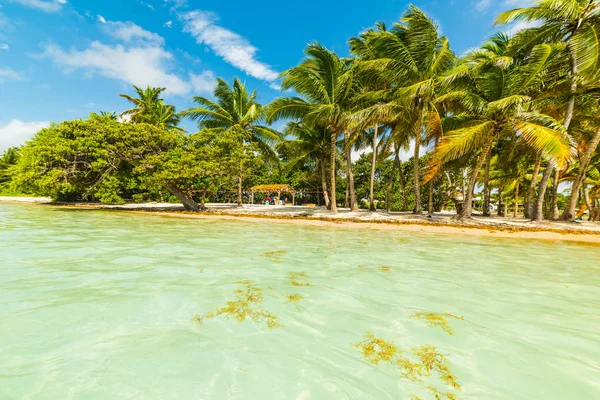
x=273, y=188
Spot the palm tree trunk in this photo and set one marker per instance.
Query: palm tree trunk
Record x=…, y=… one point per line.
x=536, y=170
x=402, y=185
x=501, y=212
x=388, y=197
x=350, y=177
x=468, y=203
x=373, y=162
x=324, y=183
x=486, y=186
x=188, y=203
x=346, y=201
x=239, y=194
x=332, y=172
x=584, y=161
x=516, y=212
x=554, y=207
x=537, y=216
x=417, y=176
x=430, y=205
x=538, y=210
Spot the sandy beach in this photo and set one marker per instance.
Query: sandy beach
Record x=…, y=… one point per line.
x=440, y=223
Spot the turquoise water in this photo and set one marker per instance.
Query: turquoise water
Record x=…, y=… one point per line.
x=102, y=305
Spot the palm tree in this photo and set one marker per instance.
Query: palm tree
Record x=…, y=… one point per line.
x=575, y=22
x=490, y=98
x=586, y=129
x=404, y=64
x=143, y=104
x=235, y=111
x=308, y=145
x=162, y=115
x=325, y=82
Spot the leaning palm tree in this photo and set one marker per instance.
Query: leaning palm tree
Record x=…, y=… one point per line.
x=325, y=83
x=143, y=104
x=235, y=111
x=405, y=63
x=490, y=97
x=574, y=22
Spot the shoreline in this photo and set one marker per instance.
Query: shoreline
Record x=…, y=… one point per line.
x=479, y=227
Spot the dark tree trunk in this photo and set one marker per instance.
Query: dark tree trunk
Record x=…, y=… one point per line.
x=430, y=205
x=554, y=207
x=188, y=203
x=239, y=191
x=501, y=210
x=402, y=185
x=468, y=203
x=486, y=186
x=528, y=211
x=516, y=211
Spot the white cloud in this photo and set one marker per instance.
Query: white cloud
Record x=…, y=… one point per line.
x=139, y=66
x=233, y=48
x=483, y=5
x=3, y=46
x=43, y=5
x=129, y=32
x=168, y=24
x=9, y=74
x=5, y=24
x=101, y=19
x=17, y=132
x=205, y=82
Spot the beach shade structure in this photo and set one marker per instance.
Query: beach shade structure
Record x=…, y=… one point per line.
x=273, y=188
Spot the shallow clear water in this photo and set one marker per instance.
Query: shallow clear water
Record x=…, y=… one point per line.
x=101, y=305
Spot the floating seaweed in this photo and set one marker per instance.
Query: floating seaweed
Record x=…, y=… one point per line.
x=437, y=319
x=299, y=279
x=376, y=350
x=294, y=299
x=275, y=255
x=422, y=363
x=246, y=306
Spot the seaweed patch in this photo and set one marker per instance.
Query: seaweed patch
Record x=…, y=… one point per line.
x=299, y=279
x=437, y=320
x=246, y=306
x=275, y=255
x=414, y=365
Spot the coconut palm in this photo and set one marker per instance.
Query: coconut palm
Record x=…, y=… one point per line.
x=308, y=145
x=325, y=83
x=236, y=111
x=143, y=104
x=404, y=64
x=490, y=96
x=574, y=22
x=586, y=129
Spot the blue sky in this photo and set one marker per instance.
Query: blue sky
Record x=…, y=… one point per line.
x=61, y=59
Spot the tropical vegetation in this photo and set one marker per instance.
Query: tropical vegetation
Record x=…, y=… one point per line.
x=513, y=123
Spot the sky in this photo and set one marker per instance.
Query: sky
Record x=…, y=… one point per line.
x=62, y=59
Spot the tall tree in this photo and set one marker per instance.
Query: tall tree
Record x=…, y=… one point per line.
x=235, y=110
x=325, y=83
x=574, y=22
x=404, y=64
x=490, y=98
